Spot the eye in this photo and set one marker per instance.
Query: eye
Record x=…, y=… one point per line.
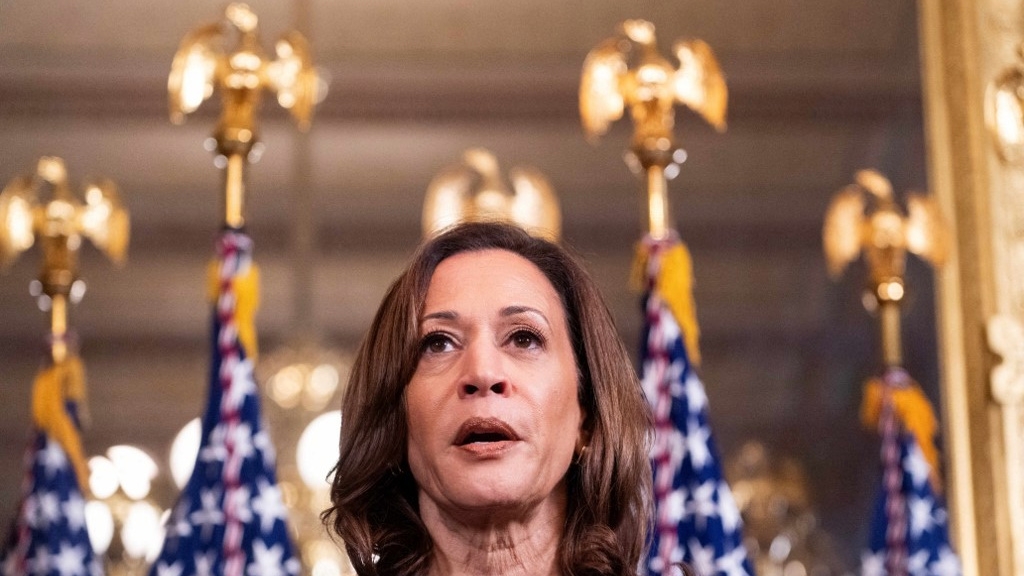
x=436, y=343
x=523, y=338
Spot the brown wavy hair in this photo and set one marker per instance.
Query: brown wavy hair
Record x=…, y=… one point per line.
x=374, y=496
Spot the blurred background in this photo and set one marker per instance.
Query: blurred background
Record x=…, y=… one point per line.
x=818, y=89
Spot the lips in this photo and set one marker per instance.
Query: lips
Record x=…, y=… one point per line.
x=482, y=431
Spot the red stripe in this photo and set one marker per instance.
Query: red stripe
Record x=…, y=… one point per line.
x=230, y=349
x=892, y=481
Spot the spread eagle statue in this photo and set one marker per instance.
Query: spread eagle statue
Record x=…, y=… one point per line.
x=204, y=62
x=474, y=190
x=41, y=206
x=865, y=215
x=627, y=71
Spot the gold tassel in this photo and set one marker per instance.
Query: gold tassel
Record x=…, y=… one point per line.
x=638, y=271
x=54, y=386
x=914, y=412
x=674, y=285
x=246, y=289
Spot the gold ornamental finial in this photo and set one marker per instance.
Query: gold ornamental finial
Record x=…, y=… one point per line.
x=40, y=206
x=204, y=64
x=475, y=190
x=1004, y=111
x=626, y=71
x=864, y=216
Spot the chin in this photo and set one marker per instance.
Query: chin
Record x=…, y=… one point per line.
x=510, y=489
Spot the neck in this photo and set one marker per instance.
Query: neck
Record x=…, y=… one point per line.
x=520, y=542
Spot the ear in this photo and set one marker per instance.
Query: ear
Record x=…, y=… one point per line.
x=583, y=436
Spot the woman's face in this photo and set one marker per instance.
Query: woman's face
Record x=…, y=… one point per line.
x=492, y=407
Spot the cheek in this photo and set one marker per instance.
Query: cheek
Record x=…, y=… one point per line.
x=418, y=421
x=564, y=413
x=425, y=417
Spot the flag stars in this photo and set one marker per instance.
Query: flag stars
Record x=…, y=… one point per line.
x=69, y=561
x=51, y=458
x=74, y=511
x=266, y=561
x=214, y=450
x=31, y=510
x=210, y=514
x=172, y=569
x=41, y=563
x=204, y=564
x=727, y=509
x=675, y=377
x=669, y=329
x=261, y=440
x=657, y=565
x=268, y=505
x=48, y=510
x=703, y=557
x=703, y=504
x=651, y=380
x=237, y=503
x=243, y=383
x=674, y=507
x=947, y=565
x=916, y=465
x=917, y=563
x=178, y=525
x=872, y=564
x=696, y=398
x=242, y=442
x=732, y=563
x=920, y=515
x=697, y=437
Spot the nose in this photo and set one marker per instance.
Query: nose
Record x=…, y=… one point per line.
x=483, y=372
x=469, y=389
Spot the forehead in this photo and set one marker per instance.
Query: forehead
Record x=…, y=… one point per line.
x=489, y=276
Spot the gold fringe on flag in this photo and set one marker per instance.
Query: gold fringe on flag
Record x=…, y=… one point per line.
x=246, y=288
x=915, y=414
x=56, y=385
x=674, y=285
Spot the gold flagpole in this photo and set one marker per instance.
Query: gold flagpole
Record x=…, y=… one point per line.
x=864, y=217
x=58, y=223
x=40, y=207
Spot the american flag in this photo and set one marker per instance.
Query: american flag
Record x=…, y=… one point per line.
x=230, y=519
x=909, y=532
x=697, y=520
x=48, y=537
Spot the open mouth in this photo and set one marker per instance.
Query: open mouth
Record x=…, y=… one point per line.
x=484, y=431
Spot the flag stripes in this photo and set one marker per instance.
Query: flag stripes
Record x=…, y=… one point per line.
x=230, y=519
x=697, y=521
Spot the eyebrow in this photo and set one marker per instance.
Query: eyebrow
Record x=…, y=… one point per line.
x=442, y=315
x=513, y=310
x=505, y=312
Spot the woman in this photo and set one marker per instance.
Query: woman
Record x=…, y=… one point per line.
x=493, y=423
